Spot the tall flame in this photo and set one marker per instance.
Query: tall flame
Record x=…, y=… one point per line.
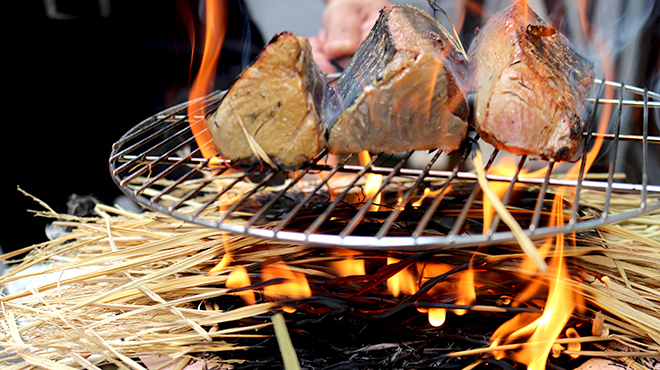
x=542, y=331
x=216, y=13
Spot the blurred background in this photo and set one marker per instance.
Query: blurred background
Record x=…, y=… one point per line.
x=82, y=73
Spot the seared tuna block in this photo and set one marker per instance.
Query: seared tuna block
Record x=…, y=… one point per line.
x=531, y=85
x=274, y=107
x=404, y=89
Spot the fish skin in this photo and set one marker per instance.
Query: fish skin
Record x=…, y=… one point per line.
x=404, y=89
x=279, y=99
x=530, y=84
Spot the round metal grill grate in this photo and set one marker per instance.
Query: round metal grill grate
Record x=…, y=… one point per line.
x=424, y=200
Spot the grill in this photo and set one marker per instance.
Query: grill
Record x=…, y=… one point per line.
x=158, y=164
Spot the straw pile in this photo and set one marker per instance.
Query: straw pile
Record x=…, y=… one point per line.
x=122, y=287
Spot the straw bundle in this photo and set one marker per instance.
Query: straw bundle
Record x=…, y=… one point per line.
x=123, y=286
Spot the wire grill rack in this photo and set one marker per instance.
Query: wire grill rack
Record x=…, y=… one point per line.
x=421, y=204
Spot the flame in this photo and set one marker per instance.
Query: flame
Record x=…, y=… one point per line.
x=373, y=182
x=559, y=306
x=557, y=349
x=348, y=266
x=572, y=333
x=295, y=286
x=216, y=28
x=239, y=278
x=466, y=292
x=506, y=167
x=431, y=193
x=402, y=282
x=224, y=262
x=437, y=316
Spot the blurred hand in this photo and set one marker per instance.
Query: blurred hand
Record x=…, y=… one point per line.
x=345, y=24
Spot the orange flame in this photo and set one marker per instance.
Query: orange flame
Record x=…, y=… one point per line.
x=466, y=292
x=239, y=278
x=572, y=333
x=348, y=266
x=295, y=286
x=216, y=28
x=402, y=282
x=373, y=182
x=224, y=262
x=437, y=316
x=431, y=193
x=558, y=309
x=562, y=298
x=506, y=167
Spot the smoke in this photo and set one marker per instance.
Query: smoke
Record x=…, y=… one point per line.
x=609, y=33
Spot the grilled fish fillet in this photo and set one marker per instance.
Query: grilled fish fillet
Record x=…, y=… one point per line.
x=276, y=103
x=530, y=84
x=404, y=89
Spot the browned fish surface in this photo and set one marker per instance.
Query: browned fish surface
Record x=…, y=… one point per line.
x=403, y=90
x=276, y=103
x=531, y=85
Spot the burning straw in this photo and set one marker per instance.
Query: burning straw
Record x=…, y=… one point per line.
x=122, y=288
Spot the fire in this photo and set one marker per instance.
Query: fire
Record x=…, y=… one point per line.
x=544, y=329
x=572, y=333
x=506, y=167
x=437, y=316
x=223, y=264
x=239, y=278
x=216, y=28
x=402, y=282
x=431, y=193
x=465, y=288
x=348, y=265
x=408, y=281
x=373, y=182
x=295, y=285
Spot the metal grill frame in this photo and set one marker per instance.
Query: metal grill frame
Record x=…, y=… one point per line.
x=150, y=152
